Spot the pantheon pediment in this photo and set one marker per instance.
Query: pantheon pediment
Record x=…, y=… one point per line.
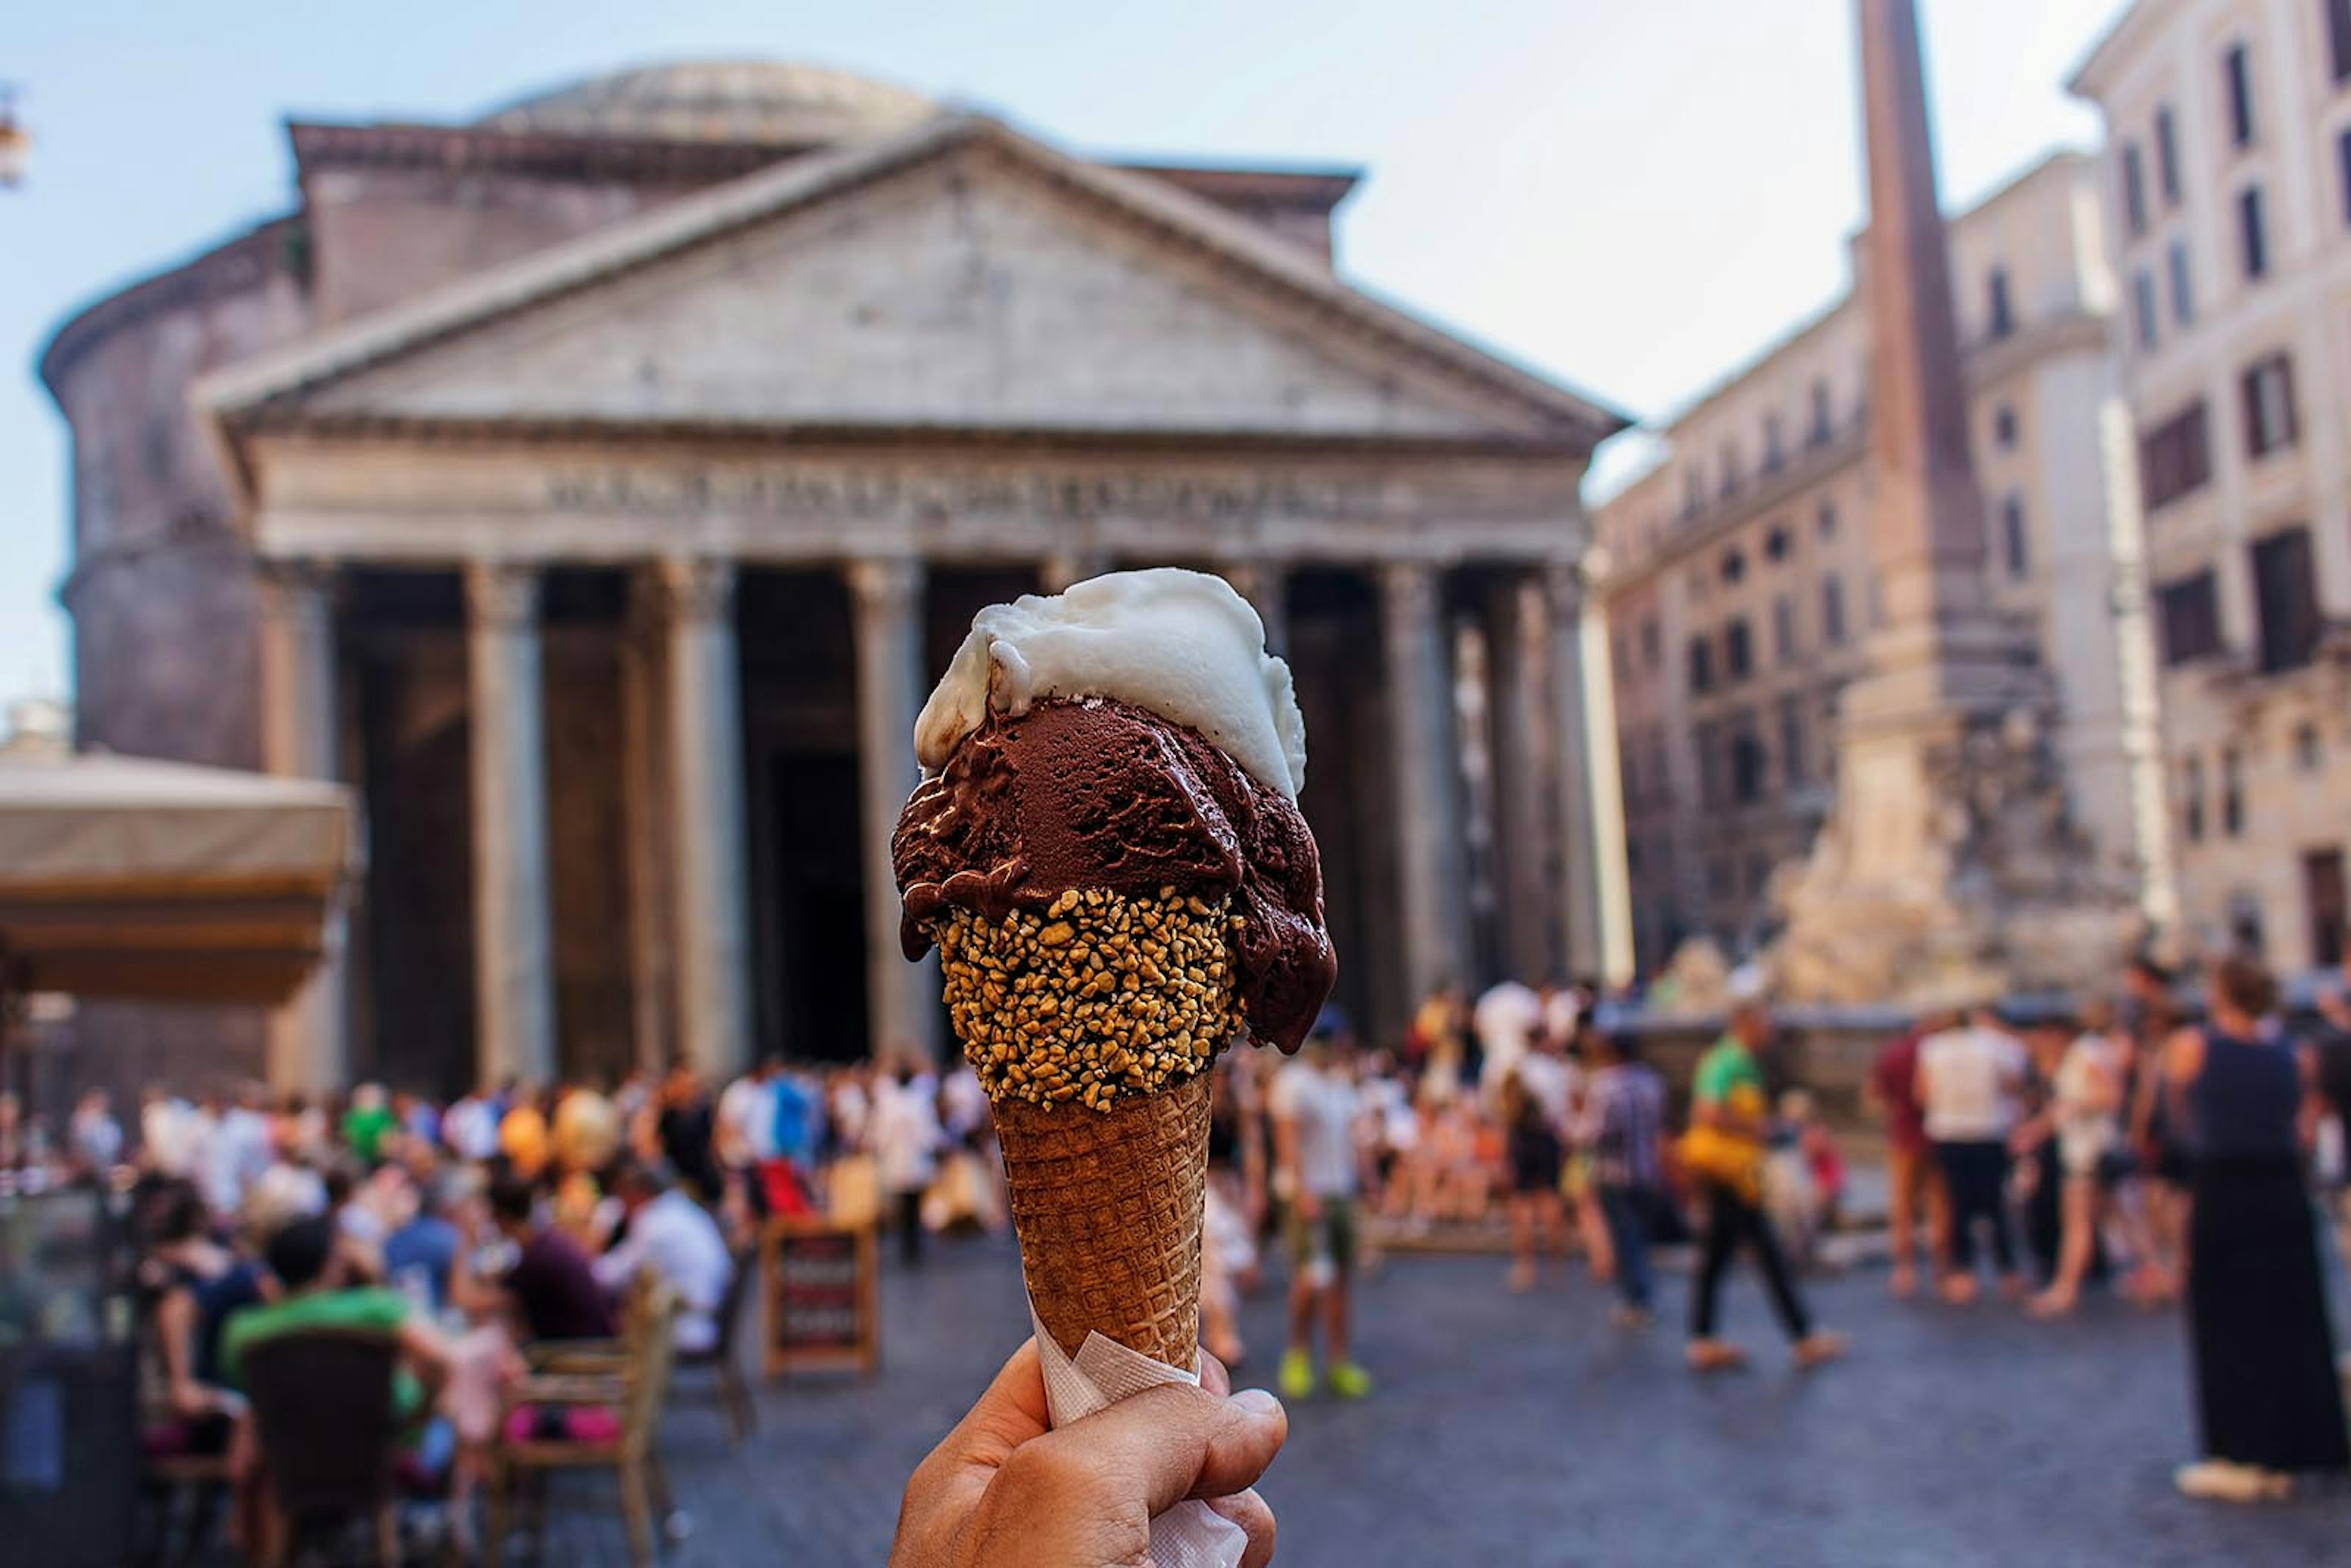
x=959, y=277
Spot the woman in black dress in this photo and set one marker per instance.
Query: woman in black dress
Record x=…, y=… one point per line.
x=2266, y=1386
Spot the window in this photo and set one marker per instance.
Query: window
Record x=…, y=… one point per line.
x=2309, y=752
x=1746, y=768
x=2187, y=615
x=2236, y=78
x=1701, y=664
x=1653, y=642
x=2012, y=534
x=1824, y=422
x=2252, y=233
x=1775, y=543
x=2143, y=308
x=1738, y=651
x=2166, y=156
x=2324, y=894
x=2191, y=787
x=1833, y=612
x=2266, y=389
x=2338, y=37
x=1693, y=491
x=1783, y=628
x=1791, y=740
x=2183, y=298
x=2245, y=923
x=2175, y=458
x=1775, y=455
x=2000, y=319
x=2233, y=793
x=1827, y=521
x=1734, y=565
x=1730, y=468
x=2135, y=187
x=2003, y=428
x=2286, y=593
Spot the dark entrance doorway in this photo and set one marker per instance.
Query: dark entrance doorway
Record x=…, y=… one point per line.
x=2328, y=899
x=819, y=905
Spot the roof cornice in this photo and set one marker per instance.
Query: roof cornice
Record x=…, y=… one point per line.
x=230, y=267
x=321, y=145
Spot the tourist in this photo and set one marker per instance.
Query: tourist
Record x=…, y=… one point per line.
x=674, y=1236
x=1969, y=1076
x=743, y=1131
x=523, y=1132
x=549, y=1285
x=242, y=1149
x=2269, y=1400
x=200, y=1284
x=1628, y=1117
x=470, y=1127
x=1724, y=1155
x=368, y=1122
x=2332, y=1078
x=904, y=1131
x=1004, y=1490
x=2161, y=1163
x=420, y=1254
x=686, y=1131
x=1535, y=1160
x=1312, y=1105
x=93, y=1136
x=1914, y=1187
x=2086, y=1107
x=1506, y=1022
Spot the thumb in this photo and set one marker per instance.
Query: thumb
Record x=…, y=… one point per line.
x=1176, y=1441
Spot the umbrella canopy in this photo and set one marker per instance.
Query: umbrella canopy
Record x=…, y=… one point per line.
x=127, y=879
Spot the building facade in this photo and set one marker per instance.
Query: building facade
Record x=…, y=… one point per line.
x=1741, y=590
x=2227, y=182
x=599, y=487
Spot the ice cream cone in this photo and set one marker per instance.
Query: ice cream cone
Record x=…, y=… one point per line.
x=1108, y=1208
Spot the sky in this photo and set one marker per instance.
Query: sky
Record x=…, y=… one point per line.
x=1632, y=198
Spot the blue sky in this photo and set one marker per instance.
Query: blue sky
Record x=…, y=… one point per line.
x=1634, y=197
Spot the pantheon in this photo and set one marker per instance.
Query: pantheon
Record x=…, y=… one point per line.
x=598, y=487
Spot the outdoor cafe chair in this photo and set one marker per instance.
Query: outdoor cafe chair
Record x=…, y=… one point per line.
x=328, y=1434
x=733, y=1389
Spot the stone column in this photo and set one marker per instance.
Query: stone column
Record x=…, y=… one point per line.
x=710, y=858
x=514, y=944
x=1430, y=879
x=646, y=811
x=1266, y=585
x=1523, y=850
x=310, y=1037
x=1591, y=789
x=901, y=999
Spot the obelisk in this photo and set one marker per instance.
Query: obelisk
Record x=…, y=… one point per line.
x=1946, y=867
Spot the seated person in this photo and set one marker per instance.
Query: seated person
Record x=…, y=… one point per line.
x=315, y=1291
x=674, y=1236
x=422, y=1248
x=551, y=1287
x=200, y=1283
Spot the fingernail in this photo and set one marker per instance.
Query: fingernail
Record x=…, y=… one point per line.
x=1256, y=1402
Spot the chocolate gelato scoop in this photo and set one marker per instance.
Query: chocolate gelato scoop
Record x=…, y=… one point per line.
x=1094, y=792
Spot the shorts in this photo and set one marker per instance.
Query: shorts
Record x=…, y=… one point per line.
x=1326, y=1242
x=1535, y=1161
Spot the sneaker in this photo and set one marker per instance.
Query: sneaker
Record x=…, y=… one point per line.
x=1296, y=1379
x=1714, y=1356
x=1628, y=1316
x=2218, y=1480
x=1820, y=1349
x=1349, y=1381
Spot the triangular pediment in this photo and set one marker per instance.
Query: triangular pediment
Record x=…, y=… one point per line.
x=967, y=278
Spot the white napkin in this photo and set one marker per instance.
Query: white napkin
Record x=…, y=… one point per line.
x=1104, y=1372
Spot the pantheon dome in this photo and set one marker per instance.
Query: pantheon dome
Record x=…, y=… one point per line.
x=776, y=102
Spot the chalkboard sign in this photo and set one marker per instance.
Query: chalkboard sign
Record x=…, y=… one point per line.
x=821, y=1297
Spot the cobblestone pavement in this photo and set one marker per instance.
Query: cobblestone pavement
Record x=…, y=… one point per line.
x=1524, y=1430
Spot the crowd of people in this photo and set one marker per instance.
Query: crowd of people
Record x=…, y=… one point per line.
x=2116, y=1146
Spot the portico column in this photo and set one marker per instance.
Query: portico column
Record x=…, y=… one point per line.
x=1523, y=849
x=902, y=997
x=513, y=937
x=309, y=1044
x=1426, y=751
x=713, y=948
x=1266, y=585
x=1590, y=790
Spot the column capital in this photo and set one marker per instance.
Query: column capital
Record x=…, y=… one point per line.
x=301, y=587
x=695, y=587
x=1408, y=588
x=1568, y=581
x=502, y=595
x=884, y=585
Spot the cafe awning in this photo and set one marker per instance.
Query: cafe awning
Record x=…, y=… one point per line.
x=123, y=878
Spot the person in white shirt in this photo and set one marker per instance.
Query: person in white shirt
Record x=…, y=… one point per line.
x=470, y=1128
x=746, y=1118
x=95, y=1136
x=1968, y=1081
x=903, y=1131
x=1507, y=1021
x=1313, y=1104
x=239, y=1154
x=674, y=1236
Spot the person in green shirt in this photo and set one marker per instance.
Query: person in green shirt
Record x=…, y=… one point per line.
x=313, y=1294
x=1724, y=1154
x=368, y=1122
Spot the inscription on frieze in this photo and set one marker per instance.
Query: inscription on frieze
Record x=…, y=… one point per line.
x=825, y=492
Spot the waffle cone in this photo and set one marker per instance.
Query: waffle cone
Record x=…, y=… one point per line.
x=1108, y=1205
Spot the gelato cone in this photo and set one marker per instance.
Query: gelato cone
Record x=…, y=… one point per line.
x=1107, y=851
